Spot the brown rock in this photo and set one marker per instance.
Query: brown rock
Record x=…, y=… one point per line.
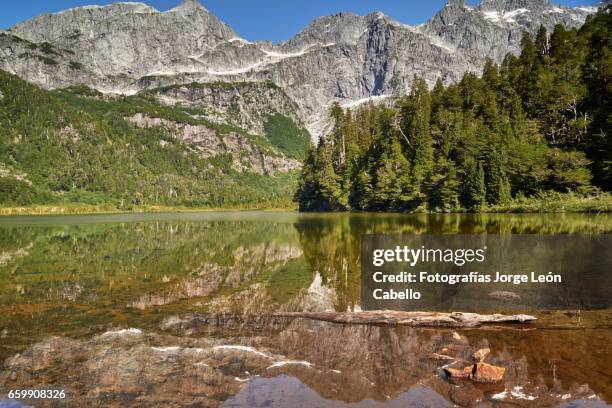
x=459, y=373
x=487, y=373
x=480, y=355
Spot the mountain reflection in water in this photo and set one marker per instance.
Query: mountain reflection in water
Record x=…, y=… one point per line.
x=64, y=281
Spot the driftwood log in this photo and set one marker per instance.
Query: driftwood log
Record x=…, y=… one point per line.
x=422, y=319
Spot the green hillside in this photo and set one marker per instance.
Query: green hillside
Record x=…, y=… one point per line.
x=74, y=146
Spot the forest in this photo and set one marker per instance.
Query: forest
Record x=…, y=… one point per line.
x=74, y=147
x=535, y=129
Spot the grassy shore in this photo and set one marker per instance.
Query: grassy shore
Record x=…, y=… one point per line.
x=75, y=209
x=550, y=202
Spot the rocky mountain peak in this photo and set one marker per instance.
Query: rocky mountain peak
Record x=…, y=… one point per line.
x=189, y=6
x=452, y=11
x=378, y=17
x=340, y=28
x=455, y=4
x=510, y=5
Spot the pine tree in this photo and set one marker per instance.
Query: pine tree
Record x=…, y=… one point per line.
x=362, y=197
x=332, y=194
x=498, y=185
x=474, y=190
x=416, y=116
x=444, y=188
x=308, y=194
x=542, y=43
x=596, y=74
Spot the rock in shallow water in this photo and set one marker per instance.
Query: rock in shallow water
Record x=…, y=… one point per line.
x=487, y=373
x=479, y=372
x=480, y=355
x=462, y=373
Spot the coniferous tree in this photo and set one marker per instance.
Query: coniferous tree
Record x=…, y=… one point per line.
x=444, y=188
x=333, y=197
x=308, y=194
x=597, y=75
x=542, y=43
x=415, y=118
x=474, y=190
x=498, y=186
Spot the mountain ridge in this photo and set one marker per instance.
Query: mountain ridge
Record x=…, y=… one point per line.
x=126, y=48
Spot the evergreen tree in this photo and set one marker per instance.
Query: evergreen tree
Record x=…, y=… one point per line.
x=308, y=194
x=444, y=188
x=597, y=75
x=542, y=43
x=334, y=198
x=416, y=116
x=498, y=185
x=474, y=190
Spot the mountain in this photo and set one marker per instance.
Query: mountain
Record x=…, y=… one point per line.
x=125, y=48
x=124, y=105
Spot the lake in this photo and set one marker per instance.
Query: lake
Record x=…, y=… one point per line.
x=75, y=288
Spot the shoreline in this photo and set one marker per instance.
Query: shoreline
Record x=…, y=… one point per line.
x=550, y=203
x=87, y=210
x=50, y=210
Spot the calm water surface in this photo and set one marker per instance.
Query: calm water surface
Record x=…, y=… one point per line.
x=79, y=277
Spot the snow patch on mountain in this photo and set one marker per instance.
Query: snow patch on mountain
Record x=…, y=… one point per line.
x=238, y=71
x=375, y=98
x=283, y=55
x=495, y=16
x=242, y=41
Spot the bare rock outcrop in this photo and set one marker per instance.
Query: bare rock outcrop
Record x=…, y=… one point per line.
x=246, y=154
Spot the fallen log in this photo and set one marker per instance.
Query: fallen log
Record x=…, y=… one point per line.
x=416, y=319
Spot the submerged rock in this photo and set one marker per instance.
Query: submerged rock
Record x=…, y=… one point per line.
x=462, y=373
x=456, y=336
x=480, y=355
x=479, y=372
x=487, y=373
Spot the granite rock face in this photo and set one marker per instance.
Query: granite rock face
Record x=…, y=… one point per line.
x=247, y=105
x=129, y=47
x=246, y=155
x=130, y=39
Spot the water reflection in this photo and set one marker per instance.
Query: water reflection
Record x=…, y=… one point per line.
x=312, y=364
x=64, y=275
x=79, y=276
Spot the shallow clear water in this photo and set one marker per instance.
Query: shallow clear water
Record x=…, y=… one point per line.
x=78, y=276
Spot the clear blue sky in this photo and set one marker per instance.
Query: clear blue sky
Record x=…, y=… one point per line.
x=275, y=20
